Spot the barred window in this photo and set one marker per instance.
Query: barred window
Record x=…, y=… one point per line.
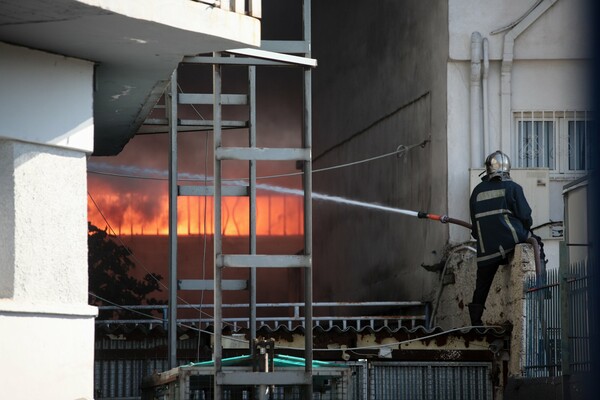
x=557, y=140
x=579, y=145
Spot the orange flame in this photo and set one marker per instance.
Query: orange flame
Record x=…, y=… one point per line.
x=134, y=213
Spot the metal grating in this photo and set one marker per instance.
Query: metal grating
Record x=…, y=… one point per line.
x=197, y=383
x=545, y=329
x=424, y=381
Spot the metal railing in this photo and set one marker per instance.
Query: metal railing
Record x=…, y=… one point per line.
x=430, y=380
x=358, y=315
x=550, y=322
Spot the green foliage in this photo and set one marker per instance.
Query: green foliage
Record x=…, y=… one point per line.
x=109, y=267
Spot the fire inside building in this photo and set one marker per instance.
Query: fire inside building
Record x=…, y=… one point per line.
x=283, y=209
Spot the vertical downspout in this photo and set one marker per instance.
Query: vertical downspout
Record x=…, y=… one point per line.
x=476, y=145
x=506, y=71
x=514, y=30
x=488, y=146
x=506, y=92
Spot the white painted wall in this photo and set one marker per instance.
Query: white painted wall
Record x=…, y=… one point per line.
x=46, y=356
x=549, y=73
x=46, y=98
x=576, y=207
x=552, y=37
x=47, y=328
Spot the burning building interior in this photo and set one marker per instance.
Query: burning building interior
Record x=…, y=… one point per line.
x=291, y=220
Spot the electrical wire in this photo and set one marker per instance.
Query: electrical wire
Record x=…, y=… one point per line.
x=400, y=151
x=352, y=349
x=150, y=316
x=517, y=21
x=379, y=346
x=191, y=105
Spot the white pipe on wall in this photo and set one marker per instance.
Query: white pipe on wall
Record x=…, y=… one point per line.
x=475, y=100
x=506, y=70
x=488, y=145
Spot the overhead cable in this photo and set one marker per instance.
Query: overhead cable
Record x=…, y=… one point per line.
x=400, y=151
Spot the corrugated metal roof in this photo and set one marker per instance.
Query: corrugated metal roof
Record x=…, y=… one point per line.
x=420, y=332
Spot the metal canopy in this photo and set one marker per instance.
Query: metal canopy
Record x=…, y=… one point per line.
x=135, y=45
x=272, y=56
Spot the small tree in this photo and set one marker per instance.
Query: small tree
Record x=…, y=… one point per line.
x=110, y=282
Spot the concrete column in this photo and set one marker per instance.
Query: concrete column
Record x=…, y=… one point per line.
x=46, y=132
x=46, y=326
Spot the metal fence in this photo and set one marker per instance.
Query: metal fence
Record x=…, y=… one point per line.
x=430, y=380
x=197, y=382
x=378, y=380
x=121, y=363
x=556, y=312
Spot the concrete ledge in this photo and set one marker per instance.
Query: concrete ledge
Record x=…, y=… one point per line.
x=10, y=307
x=47, y=356
x=505, y=303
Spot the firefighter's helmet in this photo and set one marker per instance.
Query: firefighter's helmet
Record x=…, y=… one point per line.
x=497, y=164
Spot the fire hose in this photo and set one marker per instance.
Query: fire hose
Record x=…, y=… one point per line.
x=540, y=268
x=444, y=219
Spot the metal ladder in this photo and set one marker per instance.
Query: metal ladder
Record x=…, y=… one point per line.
x=272, y=53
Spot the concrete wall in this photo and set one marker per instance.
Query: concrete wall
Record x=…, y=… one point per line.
x=576, y=220
x=37, y=88
x=47, y=327
x=380, y=83
x=504, y=305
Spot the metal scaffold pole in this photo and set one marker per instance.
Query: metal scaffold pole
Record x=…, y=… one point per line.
x=271, y=53
x=172, y=117
x=218, y=312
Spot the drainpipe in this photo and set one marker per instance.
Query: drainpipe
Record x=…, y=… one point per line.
x=476, y=146
x=507, y=62
x=488, y=147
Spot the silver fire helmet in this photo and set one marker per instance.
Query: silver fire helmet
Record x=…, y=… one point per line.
x=497, y=164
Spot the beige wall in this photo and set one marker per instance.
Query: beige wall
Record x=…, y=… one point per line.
x=576, y=221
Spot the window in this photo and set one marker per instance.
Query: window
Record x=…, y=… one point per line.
x=555, y=140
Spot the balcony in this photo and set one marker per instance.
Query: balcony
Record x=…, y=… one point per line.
x=136, y=44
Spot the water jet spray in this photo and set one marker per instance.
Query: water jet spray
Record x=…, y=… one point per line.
x=160, y=174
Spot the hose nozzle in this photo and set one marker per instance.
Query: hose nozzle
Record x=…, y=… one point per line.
x=444, y=219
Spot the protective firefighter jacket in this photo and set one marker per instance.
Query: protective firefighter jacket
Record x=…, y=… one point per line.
x=501, y=218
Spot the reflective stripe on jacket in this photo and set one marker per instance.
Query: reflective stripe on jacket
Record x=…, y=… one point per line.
x=501, y=218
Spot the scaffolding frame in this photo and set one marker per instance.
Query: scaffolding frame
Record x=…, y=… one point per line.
x=272, y=53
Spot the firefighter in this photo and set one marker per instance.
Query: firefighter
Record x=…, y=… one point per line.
x=501, y=218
